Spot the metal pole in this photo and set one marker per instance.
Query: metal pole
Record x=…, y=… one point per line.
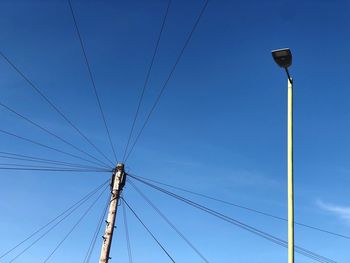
x=290, y=174
x=117, y=184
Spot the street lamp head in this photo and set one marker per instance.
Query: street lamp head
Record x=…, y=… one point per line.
x=283, y=57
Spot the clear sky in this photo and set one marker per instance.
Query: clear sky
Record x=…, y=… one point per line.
x=219, y=129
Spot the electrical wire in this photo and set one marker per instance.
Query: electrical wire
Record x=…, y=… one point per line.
x=91, y=78
x=97, y=230
x=169, y=76
x=245, y=226
x=242, y=225
x=243, y=207
x=54, y=169
x=47, y=161
x=150, y=203
x=74, y=226
x=51, y=133
x=91, y=193
x=50, y=167
x=51, y=103
x=46, y=146
x=65, y=213
x=127, y=236
x=147, y=78
x=261, y=233
x=147, y=229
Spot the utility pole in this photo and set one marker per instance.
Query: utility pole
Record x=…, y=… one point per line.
x=117, y=184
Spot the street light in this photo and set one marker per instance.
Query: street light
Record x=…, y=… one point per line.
x=283, y=58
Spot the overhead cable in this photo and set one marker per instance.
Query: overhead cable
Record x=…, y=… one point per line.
x=15, y=165
x=244, y=207
x=87, y=196
x=51, y=133
x=150, y=203
x=169, y=77
x=37, y=90
x=149, y=231
x=66, y=213
x=48, y=161
x=92, y=78
x=127, y=233
x=242, y=225
x=74, y=226
x=97, y=231
x=147, y=78
x=27, y=167
x=50, y=170
x=46, y=146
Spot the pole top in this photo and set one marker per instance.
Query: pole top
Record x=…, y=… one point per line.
x=120, y=167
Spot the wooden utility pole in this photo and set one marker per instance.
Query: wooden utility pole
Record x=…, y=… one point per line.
x=117, y=184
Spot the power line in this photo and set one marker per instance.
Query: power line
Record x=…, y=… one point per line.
x=127, y=233
x=243, y=207
x=169, y=223
x=98, y=228
x=47, y=161
x=242, y=225
x=147, y=78
x=149, y=232
x=51, y=104
x=91, y=193
x=64, y=215
x=253, y=230
x=49, y=167
x=169, y=76
x=74, y=226
x=91, y=78
x=53, y=169
x=46, y=146
x=51, y=133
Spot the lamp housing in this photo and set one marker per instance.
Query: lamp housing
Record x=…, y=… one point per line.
x=283, y=57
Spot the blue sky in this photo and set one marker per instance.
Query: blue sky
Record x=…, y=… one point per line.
x=219, y=129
